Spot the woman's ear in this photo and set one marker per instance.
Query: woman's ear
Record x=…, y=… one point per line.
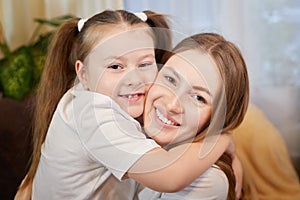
x=81, y=74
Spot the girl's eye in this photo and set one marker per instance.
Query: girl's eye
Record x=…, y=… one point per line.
x=115, y=67
x=171, y=80
x=200, y=99
x=145, y=64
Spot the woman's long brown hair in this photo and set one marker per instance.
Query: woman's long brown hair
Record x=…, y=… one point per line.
x=233, y=71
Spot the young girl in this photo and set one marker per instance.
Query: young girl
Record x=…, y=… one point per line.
x=183, y=102
x=85, y=138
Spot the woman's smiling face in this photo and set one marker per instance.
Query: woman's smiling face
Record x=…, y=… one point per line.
x=179, y=104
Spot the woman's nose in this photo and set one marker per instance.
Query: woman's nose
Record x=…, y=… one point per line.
x=174, y=104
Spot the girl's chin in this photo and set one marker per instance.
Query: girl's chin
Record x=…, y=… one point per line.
x=135, y=113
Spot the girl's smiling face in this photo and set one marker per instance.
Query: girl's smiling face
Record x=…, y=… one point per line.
x=122, y=66
x=179, y=104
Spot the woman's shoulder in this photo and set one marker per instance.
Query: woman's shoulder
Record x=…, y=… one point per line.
x=213, y=184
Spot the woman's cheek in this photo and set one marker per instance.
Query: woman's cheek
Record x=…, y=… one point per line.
x=204, y=118
x=151, y=75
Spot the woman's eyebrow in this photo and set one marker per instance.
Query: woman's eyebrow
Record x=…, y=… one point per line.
x=196, y=87
x=200, y=88
x=173, y=71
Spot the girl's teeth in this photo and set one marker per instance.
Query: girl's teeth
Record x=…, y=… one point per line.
x=132, y=96
x=163, y=119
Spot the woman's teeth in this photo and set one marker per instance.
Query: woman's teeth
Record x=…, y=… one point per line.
x=163, y=119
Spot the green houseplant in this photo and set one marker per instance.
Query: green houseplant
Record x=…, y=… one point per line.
x=20, y=69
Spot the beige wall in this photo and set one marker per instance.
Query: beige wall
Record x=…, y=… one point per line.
x=17, y=16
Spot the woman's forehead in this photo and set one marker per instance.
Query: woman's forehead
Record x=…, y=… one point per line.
x=195, y=67
x=193, y=61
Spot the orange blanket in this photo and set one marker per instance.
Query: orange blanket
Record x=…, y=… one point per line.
x=268, y=170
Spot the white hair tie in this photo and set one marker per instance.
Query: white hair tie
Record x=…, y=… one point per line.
x=142, y=16
x=81, y=23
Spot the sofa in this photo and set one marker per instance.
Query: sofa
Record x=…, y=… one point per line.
x=268, y=170
x=269, y=173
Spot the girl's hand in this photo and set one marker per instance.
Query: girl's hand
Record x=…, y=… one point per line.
x=231, y=147
x=238, y=173
x=236, y=166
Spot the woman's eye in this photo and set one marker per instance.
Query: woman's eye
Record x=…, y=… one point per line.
x=115, y=67
x=171, y=80
x=200, y=99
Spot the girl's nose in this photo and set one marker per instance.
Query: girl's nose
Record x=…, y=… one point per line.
x=133, y=78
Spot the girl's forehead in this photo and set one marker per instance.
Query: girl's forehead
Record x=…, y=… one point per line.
x=118, y=40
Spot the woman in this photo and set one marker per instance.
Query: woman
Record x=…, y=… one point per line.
x=201, y=90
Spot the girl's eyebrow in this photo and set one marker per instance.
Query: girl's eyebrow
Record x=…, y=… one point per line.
x=119, y=57
x=146, y=56
x=111, y=58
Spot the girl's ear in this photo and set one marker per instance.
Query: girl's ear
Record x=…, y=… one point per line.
x=81, y=74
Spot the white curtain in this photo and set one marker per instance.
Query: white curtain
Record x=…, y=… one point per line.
x=17, y=16
x=268, y=34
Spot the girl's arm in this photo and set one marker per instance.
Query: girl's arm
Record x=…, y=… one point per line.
x=173, y=170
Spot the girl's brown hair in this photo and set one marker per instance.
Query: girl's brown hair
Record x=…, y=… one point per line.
x=234, y=75
x=69, y=45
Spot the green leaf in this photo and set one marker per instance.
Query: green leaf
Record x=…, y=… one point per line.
x=21, y=69
x=55, y=21
x=16, y=76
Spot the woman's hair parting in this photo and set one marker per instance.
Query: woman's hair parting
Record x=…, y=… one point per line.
x=73, y=41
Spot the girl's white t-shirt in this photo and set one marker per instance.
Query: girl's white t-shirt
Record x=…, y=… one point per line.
x=91, y=143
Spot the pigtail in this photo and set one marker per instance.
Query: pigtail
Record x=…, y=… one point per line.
x=57, y=77
x=161, y=29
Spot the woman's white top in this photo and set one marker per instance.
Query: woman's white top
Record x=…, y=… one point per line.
x=91, y=143
x=212, y=185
